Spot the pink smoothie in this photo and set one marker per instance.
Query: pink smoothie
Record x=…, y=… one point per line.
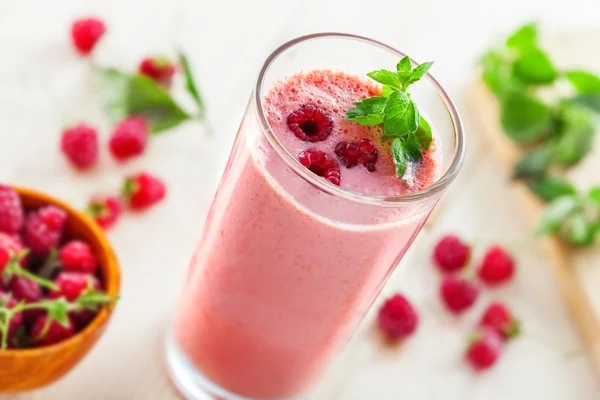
x=285, y=272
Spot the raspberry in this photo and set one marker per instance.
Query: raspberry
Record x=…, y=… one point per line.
x=25, y=289
x=310, y=123
x=497, y=267
x=9, y=247
x=79, y=144
x=321, y=164
x=451, y=254
x=78, y=256
x=143, y=190
x=458, y=294
x=129, y=138
x=160, y=69
x=46, y=332
x=17, y=319
x=105, y=210
x=397, y=317
x=44, y=229
x=363, y=152
x=11, y=210
x=484, y=350
x=72, y=284
x=499, y=318
x=86, y=32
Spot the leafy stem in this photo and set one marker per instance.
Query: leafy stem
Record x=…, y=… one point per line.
x=13, y=268
x=397, y=112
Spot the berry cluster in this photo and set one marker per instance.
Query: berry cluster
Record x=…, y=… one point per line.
x=50, y=286
x=314, y=124
x=398, y=318
x=80, y=144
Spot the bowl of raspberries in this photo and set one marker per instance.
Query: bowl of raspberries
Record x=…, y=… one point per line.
x=59, y=282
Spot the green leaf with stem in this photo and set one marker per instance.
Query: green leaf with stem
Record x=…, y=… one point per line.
x=191, y=85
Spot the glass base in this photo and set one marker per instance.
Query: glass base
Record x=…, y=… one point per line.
x=188, y=381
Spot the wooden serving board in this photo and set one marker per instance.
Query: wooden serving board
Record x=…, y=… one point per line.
x=577, y=270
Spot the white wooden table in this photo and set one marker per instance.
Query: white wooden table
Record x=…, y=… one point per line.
x=44, y=85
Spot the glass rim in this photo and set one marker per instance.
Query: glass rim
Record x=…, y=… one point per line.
x=438, y=186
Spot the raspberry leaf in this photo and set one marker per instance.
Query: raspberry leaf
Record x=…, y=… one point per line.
x=594, y=195
x=57, y=310
x=533, y=164
x=589, y=100
x=191, y=85
x=126, y=95
x=580, y=231
x=524, y=38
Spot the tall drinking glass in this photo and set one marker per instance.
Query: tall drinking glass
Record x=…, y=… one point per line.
x=288, y=263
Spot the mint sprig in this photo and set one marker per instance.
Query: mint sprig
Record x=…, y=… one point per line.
x=397, y=112
x=555, y=129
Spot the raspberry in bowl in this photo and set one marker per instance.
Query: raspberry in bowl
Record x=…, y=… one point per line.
x=78, y=302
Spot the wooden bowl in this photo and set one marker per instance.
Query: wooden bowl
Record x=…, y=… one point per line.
x=28, y=369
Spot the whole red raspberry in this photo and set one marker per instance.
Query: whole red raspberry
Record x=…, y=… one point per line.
x=363, y=152
x=321, y=164
x=72, y=284
x=9, y=247
x=44, y=229
x=25, y=289
x=397, y=317
x=129, y=138
x=484, y=350
x=9, y=302
x=499, y=318
x=497, y=267
x=78, y=256
x=143, y=190
x=79, y=144
x=86, y=32
x=45, y=332
x=458, y=294
x=160, y=69
x=105, y=210
x=310, y=123
x=451, y=254
x=11, y=210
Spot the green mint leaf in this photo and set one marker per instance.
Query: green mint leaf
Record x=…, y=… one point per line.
x=386, y=91
x=557, y=212
x=401, y=117
x=549, y=188
x=412, y=150
x=579, y=231
x=409, y=77
x=404, y=65
x=385, y=77
x=583, y=82
x=525, y=118
x=368, y=111
x=524, y=38
x=535, y=67
x=124, y=95
x=399, y=157
x=589, y=100
x=533, y=164
x=190, y=84
x=58, y=311
x=594, y=194
x=575, y=134
x=419, y=71
x=424, y=134
x=497, y=75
